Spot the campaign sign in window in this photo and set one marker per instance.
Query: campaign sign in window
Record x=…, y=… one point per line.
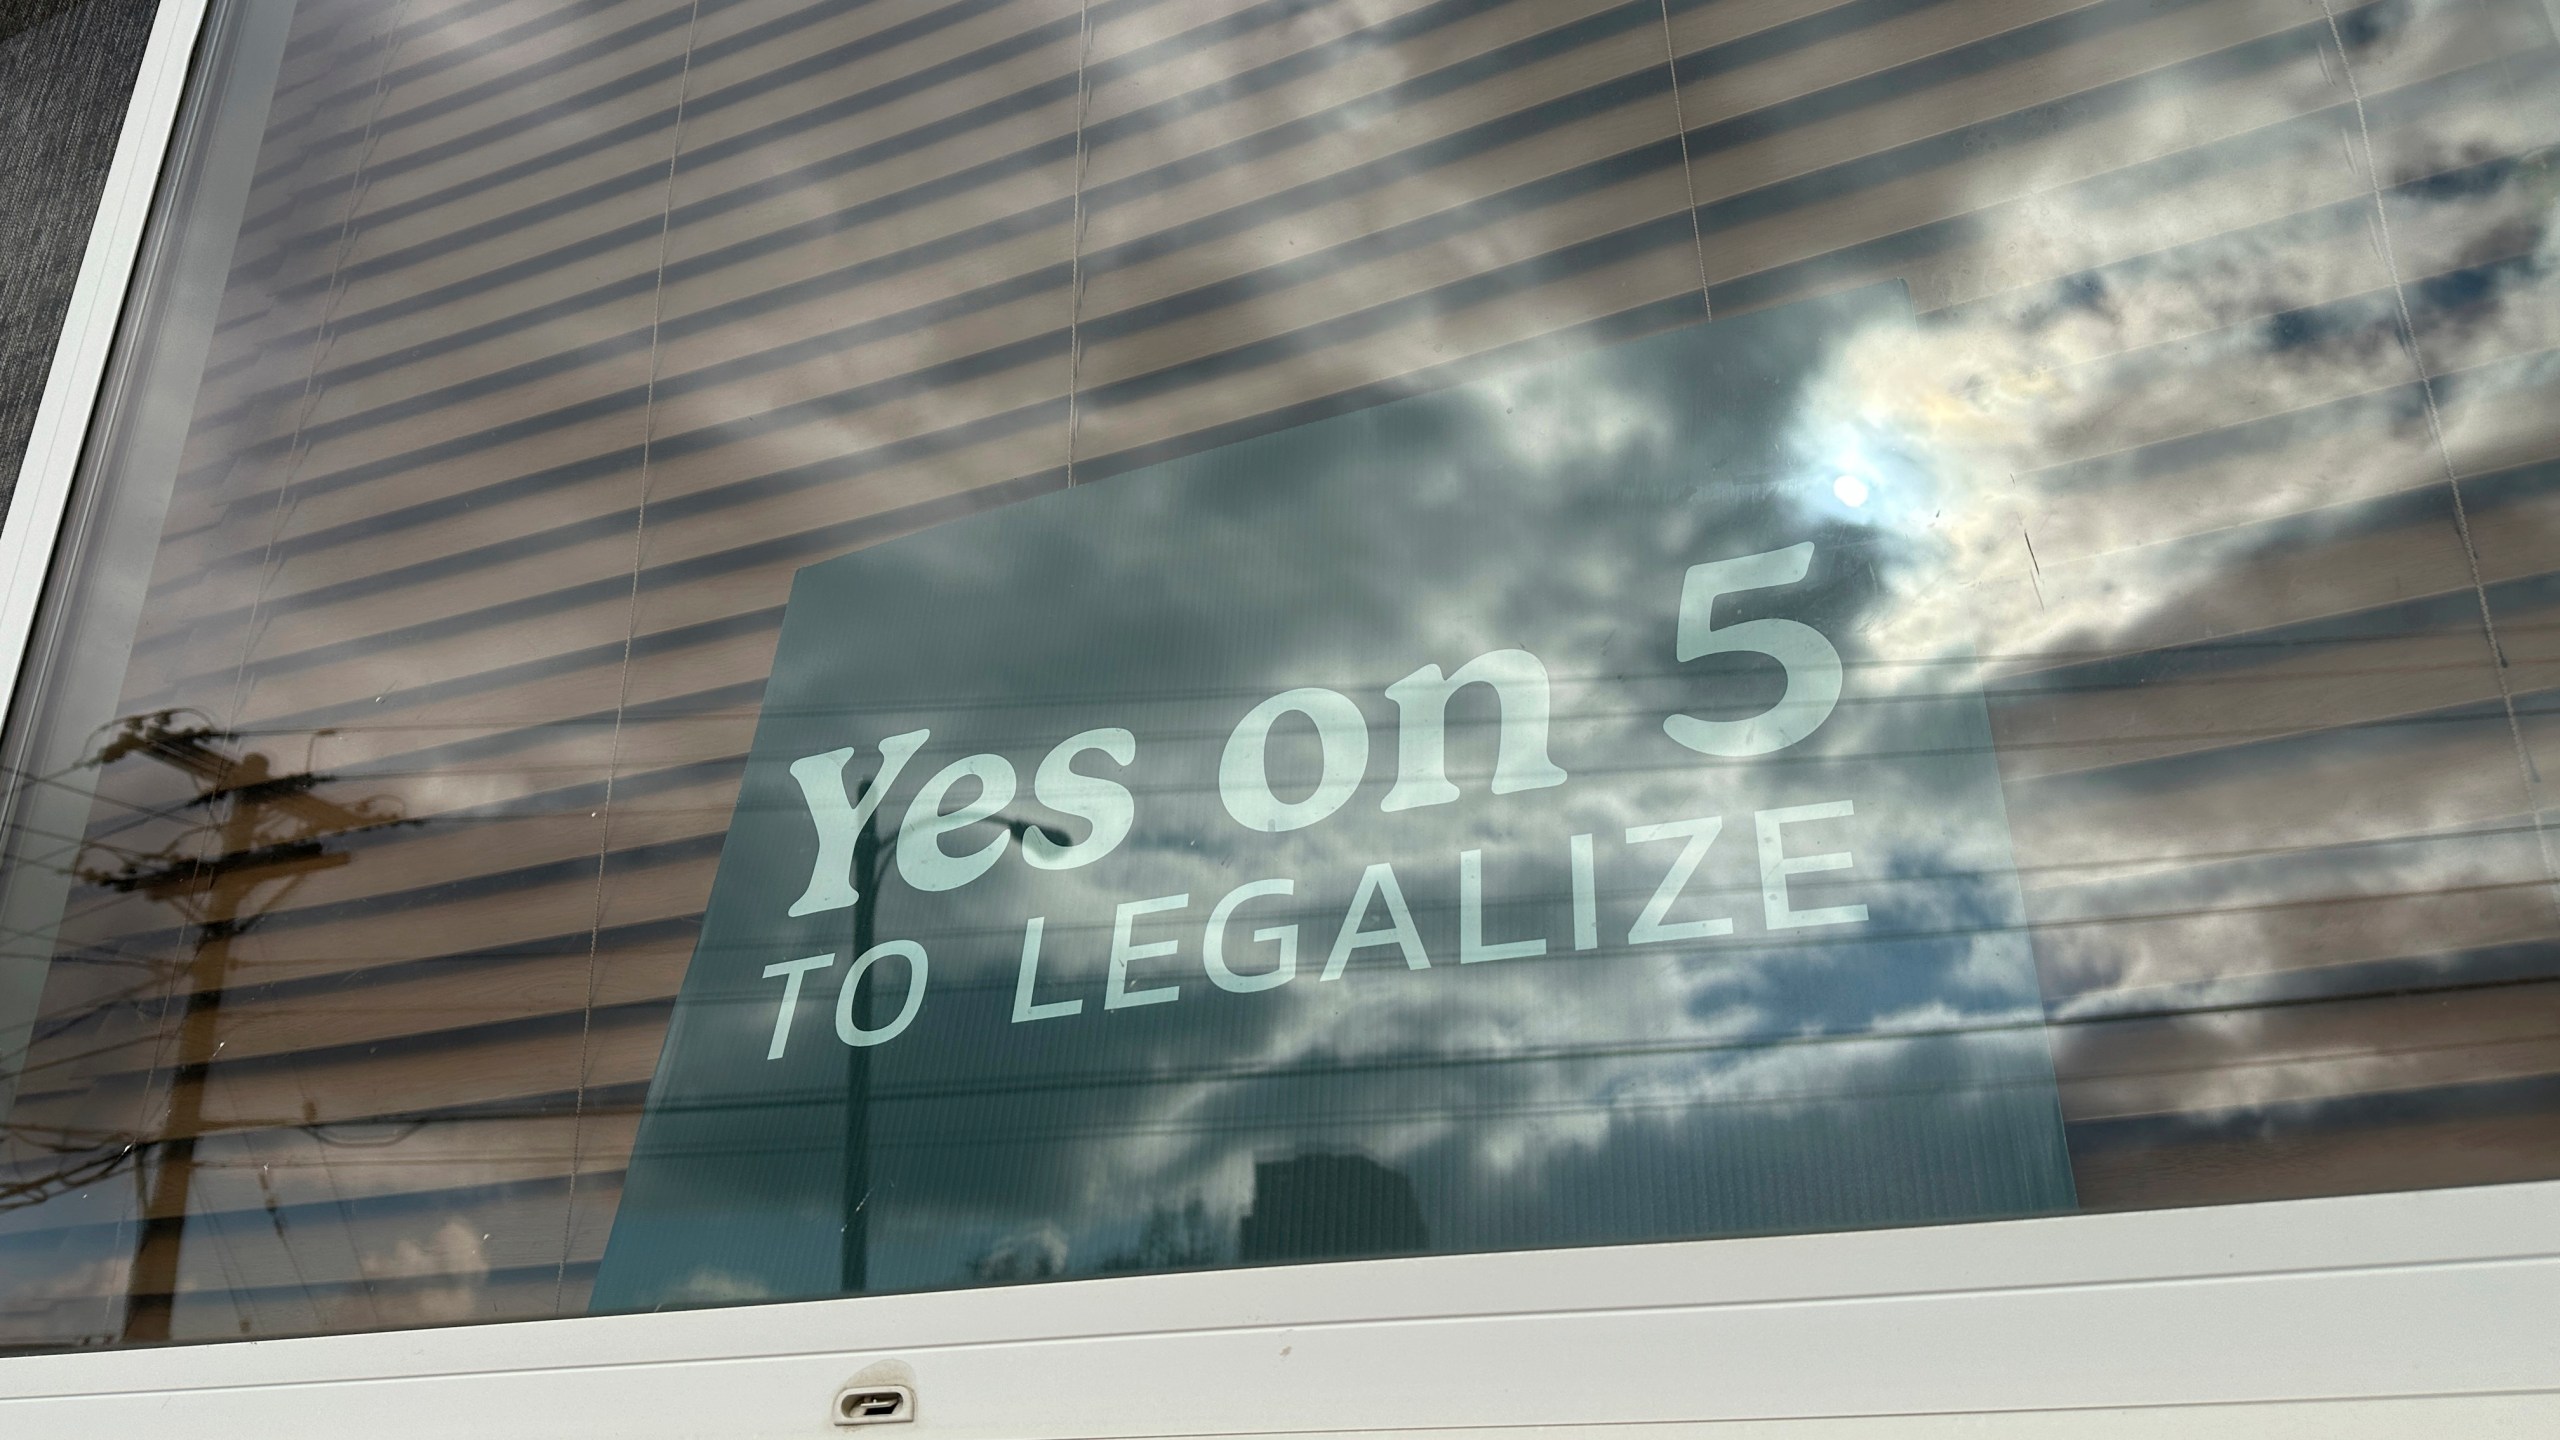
x=1554, y=809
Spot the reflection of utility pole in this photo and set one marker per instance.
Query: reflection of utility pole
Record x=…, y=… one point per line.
x=856, y=1261
x=871, y=867
x=214, y=893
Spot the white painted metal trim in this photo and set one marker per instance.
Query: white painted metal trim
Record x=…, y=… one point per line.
x=73, y=387
x=2374, y=1312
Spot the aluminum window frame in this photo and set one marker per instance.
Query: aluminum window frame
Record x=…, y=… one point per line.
x=2359, y=1315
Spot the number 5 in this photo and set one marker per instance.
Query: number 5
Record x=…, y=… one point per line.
x=1812, y=665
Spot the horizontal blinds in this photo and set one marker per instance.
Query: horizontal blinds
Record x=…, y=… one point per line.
x=560, y=335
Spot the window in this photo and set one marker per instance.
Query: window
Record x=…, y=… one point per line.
x=721, y=651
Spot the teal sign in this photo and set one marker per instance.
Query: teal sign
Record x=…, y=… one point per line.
x=1551, y=810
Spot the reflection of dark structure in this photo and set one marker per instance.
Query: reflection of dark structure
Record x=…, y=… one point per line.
x=1330, y=1207
x=263, y=834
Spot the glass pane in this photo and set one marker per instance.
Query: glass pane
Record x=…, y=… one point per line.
x=754, y=648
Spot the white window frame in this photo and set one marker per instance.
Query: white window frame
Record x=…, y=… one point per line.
x=2431, y=1312
x=73, y=388
x=2422, y=1313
